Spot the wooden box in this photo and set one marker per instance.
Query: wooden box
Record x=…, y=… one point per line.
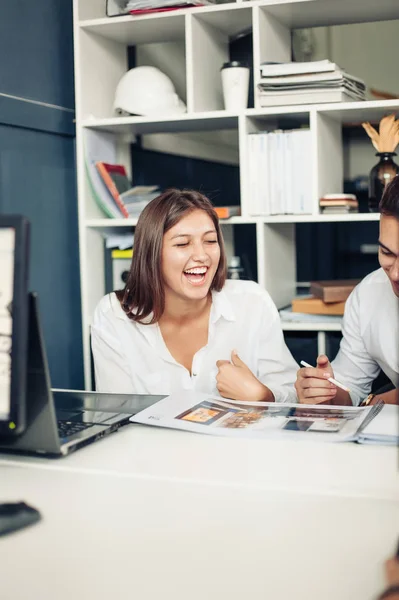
x=333, y=291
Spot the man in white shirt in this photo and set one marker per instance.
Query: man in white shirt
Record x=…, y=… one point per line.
x=370, y=341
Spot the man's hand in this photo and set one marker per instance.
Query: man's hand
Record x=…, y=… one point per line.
x=312, y=385
x=391, y=397
x=236, y=381
x=392, y=578
x=392, y=571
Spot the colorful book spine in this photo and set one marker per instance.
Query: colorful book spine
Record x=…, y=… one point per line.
x=112, y=188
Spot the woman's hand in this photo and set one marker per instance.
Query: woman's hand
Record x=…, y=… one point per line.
x=236, y=381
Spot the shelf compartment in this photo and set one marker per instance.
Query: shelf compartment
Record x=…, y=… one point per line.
x=130, y=31
x=208, y=36
x=231, y=20
x=101, y=62
x=277, y=261
x=266, y=187
x=354, y=113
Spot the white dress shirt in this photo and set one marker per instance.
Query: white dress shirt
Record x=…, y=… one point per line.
x=132, y=357
x=370, y=336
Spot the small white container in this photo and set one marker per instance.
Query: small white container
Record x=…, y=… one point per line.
x=235, y=83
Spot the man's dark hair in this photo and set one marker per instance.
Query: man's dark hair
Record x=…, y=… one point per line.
x=389, y=203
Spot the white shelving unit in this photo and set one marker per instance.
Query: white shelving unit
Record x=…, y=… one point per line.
x=190, y=46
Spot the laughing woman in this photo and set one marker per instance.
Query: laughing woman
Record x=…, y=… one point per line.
x=179, y=325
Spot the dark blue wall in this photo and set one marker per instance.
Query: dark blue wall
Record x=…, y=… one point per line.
x=37, y=166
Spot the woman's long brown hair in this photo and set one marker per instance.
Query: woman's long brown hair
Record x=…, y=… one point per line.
x=144, y=290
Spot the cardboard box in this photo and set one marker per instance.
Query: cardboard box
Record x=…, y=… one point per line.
x=315, y=306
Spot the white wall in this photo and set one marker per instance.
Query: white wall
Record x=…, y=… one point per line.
x=369, y=51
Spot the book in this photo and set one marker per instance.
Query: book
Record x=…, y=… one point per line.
x=225, y=212
x=384, y=428
x=202, y=413
x=122, y=253
x=344, y=82
x=334, y=197
x=275, y=160
x=316, y=306
x=306, y=97
x=343, y=202
x=336, y=290
x=294, y=68
x=108, y=174
x=338, y=210
x=309, y=78
x=100, y=146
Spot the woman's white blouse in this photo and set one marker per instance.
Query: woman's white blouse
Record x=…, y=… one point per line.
x=132, y=357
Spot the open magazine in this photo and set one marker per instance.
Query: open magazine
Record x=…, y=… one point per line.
x=201, y=413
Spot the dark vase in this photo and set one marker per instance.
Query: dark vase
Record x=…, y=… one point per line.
x=380, y=175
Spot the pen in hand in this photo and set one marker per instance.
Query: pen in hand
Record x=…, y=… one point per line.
x=331, y=379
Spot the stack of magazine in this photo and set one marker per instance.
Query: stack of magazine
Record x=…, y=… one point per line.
x=307, y=83
x=331, y=204
x=193, y=411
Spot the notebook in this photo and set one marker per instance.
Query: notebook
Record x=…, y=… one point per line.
x=383, y=429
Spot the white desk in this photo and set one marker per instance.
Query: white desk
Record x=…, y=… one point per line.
x=149, y=513
x=105, y=537
x=334, y=469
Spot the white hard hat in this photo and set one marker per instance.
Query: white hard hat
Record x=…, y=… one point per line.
x=147, y=91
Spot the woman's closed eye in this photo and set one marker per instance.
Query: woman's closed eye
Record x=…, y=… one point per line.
x=183, y=244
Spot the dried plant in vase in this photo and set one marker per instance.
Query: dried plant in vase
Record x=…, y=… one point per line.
x=385, y=142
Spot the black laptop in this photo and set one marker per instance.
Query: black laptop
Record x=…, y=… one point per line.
x=34, y=418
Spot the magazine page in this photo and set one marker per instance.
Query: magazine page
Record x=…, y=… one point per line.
x=193, y=411
x=383, y=429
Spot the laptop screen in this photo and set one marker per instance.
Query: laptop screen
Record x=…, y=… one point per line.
x=7, y=251
x=14, y=258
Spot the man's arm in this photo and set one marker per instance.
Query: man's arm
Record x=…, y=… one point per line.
x=353, y=365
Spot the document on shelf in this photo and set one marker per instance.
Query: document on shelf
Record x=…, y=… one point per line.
x=201, y=413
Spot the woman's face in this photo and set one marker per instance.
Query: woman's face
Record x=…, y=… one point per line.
x=190, y=257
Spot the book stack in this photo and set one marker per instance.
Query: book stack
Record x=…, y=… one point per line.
x=280, y=172
x=307, y=83
x=331, y=204
x=137, y=198
x=124, y=200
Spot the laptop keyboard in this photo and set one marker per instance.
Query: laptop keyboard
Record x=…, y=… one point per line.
x=68, y=428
